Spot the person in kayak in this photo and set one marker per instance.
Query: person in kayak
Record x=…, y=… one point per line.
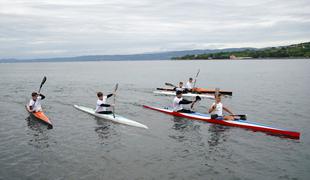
x=181, y=87
x=34, y=104
x=189, y=84
x=217, y=109
x=178, y=102
x=101, y=106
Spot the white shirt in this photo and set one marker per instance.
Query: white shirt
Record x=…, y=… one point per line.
x=179, y=88
x=218, y=109
x=36, y=105
x=189, y=85
x=175, y=105
x=99, y=102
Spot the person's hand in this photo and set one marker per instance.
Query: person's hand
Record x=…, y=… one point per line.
x=198, y=98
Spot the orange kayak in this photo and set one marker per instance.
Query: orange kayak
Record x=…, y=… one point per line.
x=42, y=117
x=205, y=90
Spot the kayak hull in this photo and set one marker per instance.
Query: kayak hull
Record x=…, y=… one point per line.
x=201, y=91
x=42, y=118
x=237, y=123
x=118, y=119
x=173, y=93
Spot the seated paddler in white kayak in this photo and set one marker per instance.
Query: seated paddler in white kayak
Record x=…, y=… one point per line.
x=178, y=102
x=101, y=106
x=216, y=110
x=181, y=88
x=34, y=104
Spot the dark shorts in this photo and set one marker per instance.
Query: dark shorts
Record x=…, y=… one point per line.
x=215, y=116
x=105, y=112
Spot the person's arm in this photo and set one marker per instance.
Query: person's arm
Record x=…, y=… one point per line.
x=212, y=108
x=110, y=95
x=29, y=108
x=184, y=101
x=42, y=96
x=227, y=110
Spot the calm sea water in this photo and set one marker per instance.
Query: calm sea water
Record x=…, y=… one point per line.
x=80, y=146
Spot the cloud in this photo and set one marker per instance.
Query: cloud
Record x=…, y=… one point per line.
x=71, y=28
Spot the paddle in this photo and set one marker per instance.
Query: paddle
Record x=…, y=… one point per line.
x=196, y=78
x=43, y=81
x=169, y=84
x=240, y=116
x=198, y=98
x=116, y=87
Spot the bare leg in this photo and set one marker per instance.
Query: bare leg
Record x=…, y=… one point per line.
x=230, y=118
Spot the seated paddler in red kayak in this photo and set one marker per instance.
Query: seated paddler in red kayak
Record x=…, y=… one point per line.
x=34, y=104
x=216, y=110
x=101, y=106
x=178, y=102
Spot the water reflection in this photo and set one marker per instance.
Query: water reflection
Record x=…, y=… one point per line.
x=105, y=131
x=217, y=134
x=185, y=129
x=38, y=132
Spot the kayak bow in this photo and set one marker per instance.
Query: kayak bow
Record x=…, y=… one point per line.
x=237, y=123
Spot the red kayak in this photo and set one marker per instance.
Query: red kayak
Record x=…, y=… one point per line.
x=42, y=118
x=236, y=123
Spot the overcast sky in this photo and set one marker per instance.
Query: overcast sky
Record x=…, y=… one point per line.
x=57, y=28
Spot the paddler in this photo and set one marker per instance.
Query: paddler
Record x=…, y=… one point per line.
x=181, y=87
x=189, y=84
x=217, y=108
x=178, y=102
x=101, y=106
x=35, y=102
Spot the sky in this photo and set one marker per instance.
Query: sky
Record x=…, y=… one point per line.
x=64, y=28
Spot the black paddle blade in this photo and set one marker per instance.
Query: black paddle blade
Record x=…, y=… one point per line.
x=43, y=81
x=116, y=87
x=169, y=84
x=241, y=116
x=198, y=98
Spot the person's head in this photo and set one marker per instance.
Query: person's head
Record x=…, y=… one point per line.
x=190, y=80
x=180, y=84
x=179, y=94
x=34, y=95
x=100, y=95
x=218, y=98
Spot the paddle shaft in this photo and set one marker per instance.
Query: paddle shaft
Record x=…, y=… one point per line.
x=116, y=87
x=196, y=78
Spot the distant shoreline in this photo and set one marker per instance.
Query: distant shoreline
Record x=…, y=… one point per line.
x=50, y=61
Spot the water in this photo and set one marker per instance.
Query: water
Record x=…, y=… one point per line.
x=83, y=147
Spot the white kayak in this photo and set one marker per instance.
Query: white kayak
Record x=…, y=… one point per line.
x=117, y=119
x=172, y=93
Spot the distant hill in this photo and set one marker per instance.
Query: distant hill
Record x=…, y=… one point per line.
x=301, y=50
x=131, y=57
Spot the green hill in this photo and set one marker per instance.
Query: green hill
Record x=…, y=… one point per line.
x=301, y=50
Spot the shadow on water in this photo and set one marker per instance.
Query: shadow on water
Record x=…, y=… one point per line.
x=38, y=132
